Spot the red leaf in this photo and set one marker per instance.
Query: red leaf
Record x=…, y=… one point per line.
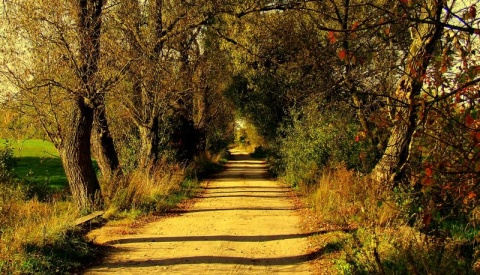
x=355, y=25
x=331, y=37
x=427, y=219
x=342, y=54
x=427, y=181
x=471, y=195
x=457, y=97
x=469, y=120
x=443, y=69
x=472, y=11
x=477, y=137
x=429, y=171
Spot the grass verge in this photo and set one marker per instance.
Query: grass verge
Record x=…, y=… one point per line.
x=38, y=237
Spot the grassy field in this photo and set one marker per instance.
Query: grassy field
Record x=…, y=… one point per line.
x=38, y=161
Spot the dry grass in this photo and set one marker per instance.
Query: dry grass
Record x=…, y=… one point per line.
x=36, y=235
x=343, y=198
x=29, y=222
x=380, y=241
x=145, y=191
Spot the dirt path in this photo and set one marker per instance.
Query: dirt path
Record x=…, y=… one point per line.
x=243, y=224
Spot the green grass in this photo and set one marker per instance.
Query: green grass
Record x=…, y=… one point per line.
x=38, y=161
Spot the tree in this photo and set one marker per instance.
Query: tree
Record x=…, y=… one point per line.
x=57, y=76
x=426, y=36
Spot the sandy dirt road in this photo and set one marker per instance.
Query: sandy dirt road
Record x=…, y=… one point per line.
x=242, y=224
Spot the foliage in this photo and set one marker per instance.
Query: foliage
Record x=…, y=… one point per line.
x=402, y=251
x=318, y=138
x=71, y=252
x=260, y=152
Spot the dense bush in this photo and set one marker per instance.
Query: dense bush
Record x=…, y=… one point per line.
x=318, y=138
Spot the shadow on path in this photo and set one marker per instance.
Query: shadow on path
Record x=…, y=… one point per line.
x=229, y=238
x=280, y=261
x=246, y=223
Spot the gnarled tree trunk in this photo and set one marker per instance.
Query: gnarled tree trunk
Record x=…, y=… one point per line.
x=75, y=147
x=77, y=159
x=391, y=167
x=104, y=148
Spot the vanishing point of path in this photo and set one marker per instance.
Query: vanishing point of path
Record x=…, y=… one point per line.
x=242, y=224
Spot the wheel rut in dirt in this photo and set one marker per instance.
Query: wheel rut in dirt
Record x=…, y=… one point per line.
x=242, y=223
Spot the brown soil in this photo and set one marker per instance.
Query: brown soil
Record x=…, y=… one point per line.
x=242, y=224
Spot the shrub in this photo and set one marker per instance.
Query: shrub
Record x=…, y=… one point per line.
x=7, y=162
x=378, y=239
x=260, y=152
x=316, y=138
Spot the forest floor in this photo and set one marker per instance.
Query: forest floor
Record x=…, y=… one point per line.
x=242, y=223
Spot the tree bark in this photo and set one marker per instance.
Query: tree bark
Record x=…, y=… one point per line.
x=76, y=157
x=200, y=115
x=391, y=167
x=104, y=148
x=149, y=142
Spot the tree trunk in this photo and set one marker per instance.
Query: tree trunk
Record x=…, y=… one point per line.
x=200, y=113
x=75, y=149
x=103, y=145
x=391, y=167
x=76, y=157
x=149, y=142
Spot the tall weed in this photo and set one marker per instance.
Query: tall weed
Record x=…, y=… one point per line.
x=149, y=191
x=38, y=237
x=342, y=197
x=379, y=238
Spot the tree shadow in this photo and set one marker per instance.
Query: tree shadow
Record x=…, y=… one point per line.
x=212, y=259
x=241, y=157
x=45, y=170
x=243, y=187
x=246, y=162
x=235, y=209
x=242, y=175
x=249, y=192
x=208, y=196
x=229, y=238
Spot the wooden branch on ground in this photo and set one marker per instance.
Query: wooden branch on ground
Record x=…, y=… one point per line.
x=88, y=218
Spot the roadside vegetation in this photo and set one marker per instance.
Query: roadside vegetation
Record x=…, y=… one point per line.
x=36, y=215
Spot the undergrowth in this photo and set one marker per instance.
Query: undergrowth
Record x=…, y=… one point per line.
x=38, y=237
x=158, y=189
x=372, y=233
x=145, y=190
